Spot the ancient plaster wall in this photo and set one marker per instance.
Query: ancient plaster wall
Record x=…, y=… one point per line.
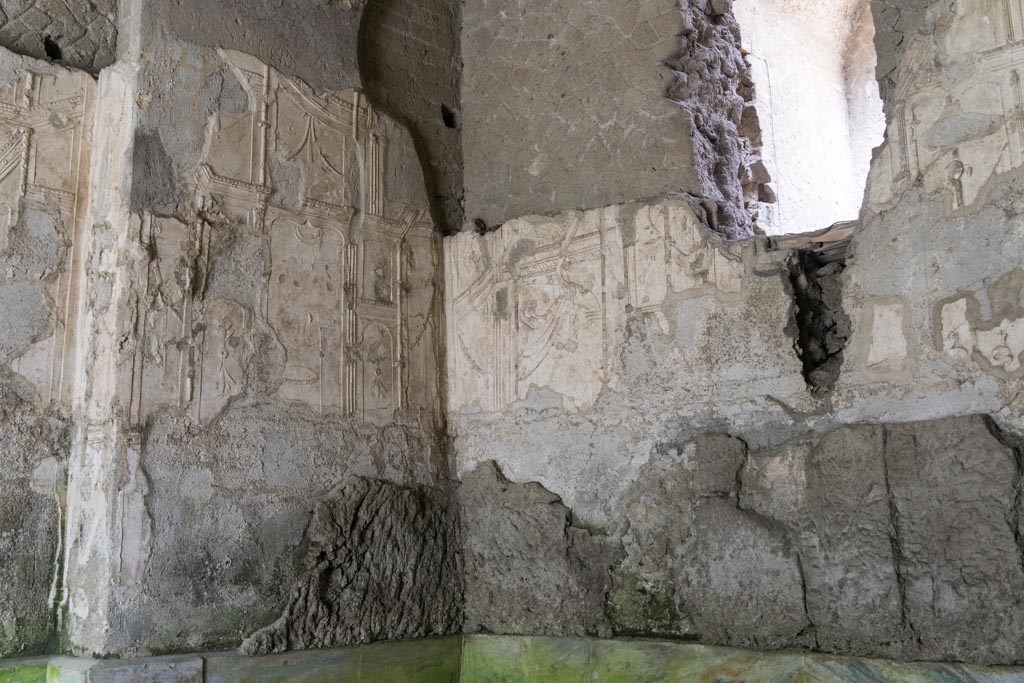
x=588, y=351
x=276, y=323
x=235, y=289
x=242, y=310
x=45, y=127
x=315, y=41
x=82, y=35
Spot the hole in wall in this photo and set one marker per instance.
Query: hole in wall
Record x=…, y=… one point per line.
x=450, y=117
x=818, y=106
x=823, y=328
x=52, y=49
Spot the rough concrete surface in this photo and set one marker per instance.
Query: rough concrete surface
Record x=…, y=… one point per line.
x=82, y=35
x=224, y=294
x=580, y=87
x=528, y=568
x=882, y=540
x=34, y=447
x=383, y=564
x=315, y=41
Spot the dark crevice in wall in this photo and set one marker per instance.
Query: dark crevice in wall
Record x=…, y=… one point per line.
x=52, y=49
x=895, y=541
x=450, y=117
x=823, y=328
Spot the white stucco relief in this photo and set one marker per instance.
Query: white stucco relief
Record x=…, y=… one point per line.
x=350, y=288
x=995, y=341
x=45, y=135
x=542, y=304
x=959, y=118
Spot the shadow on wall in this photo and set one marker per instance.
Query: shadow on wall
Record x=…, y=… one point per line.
x=411, y=67
x=813, y=65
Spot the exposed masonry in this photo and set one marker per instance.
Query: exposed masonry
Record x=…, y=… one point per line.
x=380, y=566
x=846, y=542
x=713, y=85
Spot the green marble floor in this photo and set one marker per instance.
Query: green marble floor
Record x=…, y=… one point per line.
x=504, y=659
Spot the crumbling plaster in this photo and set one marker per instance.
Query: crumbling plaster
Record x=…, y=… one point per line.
x=609, y=102
x=612, y=344
x=242, y=323
x=241, y=310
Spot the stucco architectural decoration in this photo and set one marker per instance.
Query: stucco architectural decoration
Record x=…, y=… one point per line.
x=996, y=341
x=348, y=293
x=957, y=115
x=46, y=123
x=46, y=120
x=542, y=305
x=264, y=316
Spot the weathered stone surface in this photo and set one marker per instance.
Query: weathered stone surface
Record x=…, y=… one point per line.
x=33, y=453
x=831, y=493
x=881, y=540
x=82, y=35
x=256, y=307
x=955, y=492
x=279, y=34
x=712, y=83
x=582, y=86
x=264, y=320
x=687, y=533
x=928, y=308
x=218, y=515
x=528, y=569
x=383, y=564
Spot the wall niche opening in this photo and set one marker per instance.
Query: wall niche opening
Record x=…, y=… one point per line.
x=817, y=104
